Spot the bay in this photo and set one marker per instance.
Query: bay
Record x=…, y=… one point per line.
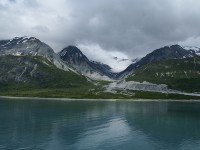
x=99, y=125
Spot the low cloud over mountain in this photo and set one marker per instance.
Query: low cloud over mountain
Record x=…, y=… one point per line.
x=131, y=27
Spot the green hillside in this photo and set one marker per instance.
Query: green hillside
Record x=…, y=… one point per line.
x=179, y=74
x=28, y=73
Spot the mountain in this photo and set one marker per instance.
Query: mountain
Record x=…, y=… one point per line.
x=178, y=74
x=105, y=69
x=29, y=67
x=27, y=72
x=74, y=58
x=195, y=49
x=164, y=53
x=30, y=46
x=27, y=63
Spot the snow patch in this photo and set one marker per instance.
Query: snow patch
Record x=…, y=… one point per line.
x=5, y=44
x=191, y=48
x=18, y=53
x=34, y=69
x=19, y=77
x=24, y=41
x=194, y=48
x=62, y=53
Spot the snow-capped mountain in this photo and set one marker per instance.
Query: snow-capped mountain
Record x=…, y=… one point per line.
x=74, y=58
x=30, y=46
x=28, y=62
x=193, y=48
x=25, y=46
x=69, y=59
x=164, y=53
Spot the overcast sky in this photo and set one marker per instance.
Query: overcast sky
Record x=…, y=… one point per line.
x=128, y=28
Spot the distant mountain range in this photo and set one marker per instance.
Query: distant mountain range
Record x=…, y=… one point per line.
x=27, y=60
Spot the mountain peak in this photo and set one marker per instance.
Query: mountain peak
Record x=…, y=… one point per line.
x=71, y=52
x=74, y=58
x=4, y=44
x=24, y=39
x=73, y=49
x=164, y=53
x=176, y=46
x=20, y=46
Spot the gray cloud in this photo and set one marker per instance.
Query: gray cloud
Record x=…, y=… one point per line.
x=133, y=27
x=41, y=28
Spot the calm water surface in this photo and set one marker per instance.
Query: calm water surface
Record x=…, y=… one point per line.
x=99, y=125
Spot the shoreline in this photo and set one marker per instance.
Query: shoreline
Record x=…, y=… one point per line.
x=111, y=100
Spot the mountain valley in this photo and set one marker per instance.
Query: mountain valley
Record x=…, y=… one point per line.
x=30, y=67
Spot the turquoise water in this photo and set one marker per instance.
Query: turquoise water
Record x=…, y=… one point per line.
x=99, y=125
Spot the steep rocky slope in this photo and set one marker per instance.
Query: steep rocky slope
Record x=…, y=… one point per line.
x=74, y=58
x=30, y=46
x=32, y=72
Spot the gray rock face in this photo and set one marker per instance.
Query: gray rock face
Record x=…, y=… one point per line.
x=21, y=69
x=25, y=46
x=30, y=46
x=77, y=60
x=22, y=72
